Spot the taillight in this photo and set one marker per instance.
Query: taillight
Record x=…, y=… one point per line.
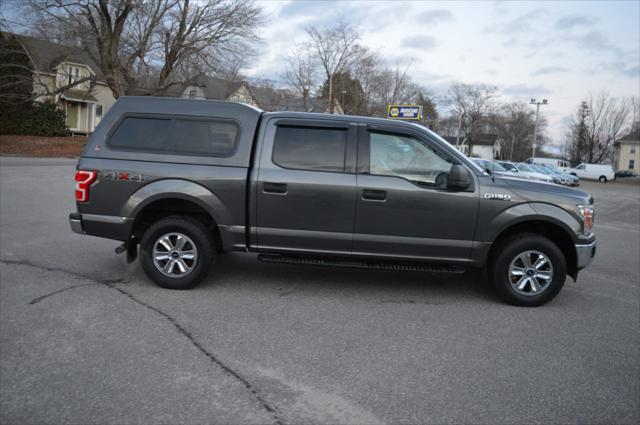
x=83, y=181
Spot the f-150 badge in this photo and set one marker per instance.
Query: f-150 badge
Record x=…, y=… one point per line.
x=123, y=176
x=497, y=196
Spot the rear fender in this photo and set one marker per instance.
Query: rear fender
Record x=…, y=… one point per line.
x=180, y=189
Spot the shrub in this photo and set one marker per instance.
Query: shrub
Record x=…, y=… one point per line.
x=35, y=119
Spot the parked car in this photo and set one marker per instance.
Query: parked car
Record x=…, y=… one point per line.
x=600, y=172
x=543, y=170
x=625, y=173
x=179, y=181
x=524, y=171
x=561, y=164
x=493, y=167
x=570, y=179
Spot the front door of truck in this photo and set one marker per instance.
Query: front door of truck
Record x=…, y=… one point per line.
x=404, y=209
x=305, y=187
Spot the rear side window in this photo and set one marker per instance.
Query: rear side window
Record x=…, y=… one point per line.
x=148, y=134
x=309, y=148
x=176, y=135
x=203, y=137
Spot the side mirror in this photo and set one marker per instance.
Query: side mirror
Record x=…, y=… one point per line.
x=459, y=178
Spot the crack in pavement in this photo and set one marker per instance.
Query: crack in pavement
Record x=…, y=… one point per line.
x=111, y=283
x=38, y=299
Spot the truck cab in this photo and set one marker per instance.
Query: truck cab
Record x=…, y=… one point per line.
x=180, y=181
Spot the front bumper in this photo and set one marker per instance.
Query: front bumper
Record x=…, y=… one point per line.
x=585, y=254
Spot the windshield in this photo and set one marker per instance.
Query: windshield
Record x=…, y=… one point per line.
x=525, y=168
x=554, y=170
x=541, y=169
x=493, y=166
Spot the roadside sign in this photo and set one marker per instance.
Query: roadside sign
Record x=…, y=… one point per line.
x=404, y=112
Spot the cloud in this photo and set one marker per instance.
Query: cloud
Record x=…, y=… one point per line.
x=631, y=72
x=525, y=90
x=519, y=24
x=421, y=42
x=546, y=70
x=595, y=42
x=434, y=16
x=570, y=21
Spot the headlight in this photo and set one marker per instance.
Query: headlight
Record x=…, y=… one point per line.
x=587, y=213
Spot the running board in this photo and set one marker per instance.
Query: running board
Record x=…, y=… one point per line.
x=376, y=265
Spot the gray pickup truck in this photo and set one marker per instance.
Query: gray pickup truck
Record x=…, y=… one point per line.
x=186, y=180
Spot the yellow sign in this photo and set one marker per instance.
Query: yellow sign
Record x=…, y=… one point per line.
x=404, y=112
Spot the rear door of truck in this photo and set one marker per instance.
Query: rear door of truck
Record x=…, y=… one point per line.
x=304, y=186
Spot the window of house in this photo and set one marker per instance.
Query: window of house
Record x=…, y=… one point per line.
x=406, y=157
x=137, y=133
x=310, y=148
x=632, y=164
x=632, y=149
x=74, y=74
x=99, y=111
x=215, y=138
x=192, y=94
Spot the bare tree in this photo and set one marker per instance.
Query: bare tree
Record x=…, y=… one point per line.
x=301, y=73
x=473, y=104
x=334, y=48
x=634, y=105
x=607, y=123
x=514, y=123
x=152, y=44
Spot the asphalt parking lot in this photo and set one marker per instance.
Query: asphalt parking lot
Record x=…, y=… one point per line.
x=86, y=338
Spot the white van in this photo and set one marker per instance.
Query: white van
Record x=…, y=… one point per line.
x=562, y=164
x=598, y=172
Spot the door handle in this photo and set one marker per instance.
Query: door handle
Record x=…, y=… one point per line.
x=270, y=187
x=374, y=195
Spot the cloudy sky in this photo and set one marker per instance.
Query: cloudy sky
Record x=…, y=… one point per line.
x=556, y=50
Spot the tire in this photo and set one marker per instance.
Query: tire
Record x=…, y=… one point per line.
x=549, y=277
x=602, y=179
x=189, y=244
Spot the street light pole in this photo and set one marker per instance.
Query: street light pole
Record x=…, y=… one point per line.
x=535, y=128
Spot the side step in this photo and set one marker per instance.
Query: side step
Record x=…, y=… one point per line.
x=369, y=264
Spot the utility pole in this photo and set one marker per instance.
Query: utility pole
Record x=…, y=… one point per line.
x=535, y=129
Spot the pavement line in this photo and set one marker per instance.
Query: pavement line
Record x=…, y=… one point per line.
x=270, y=409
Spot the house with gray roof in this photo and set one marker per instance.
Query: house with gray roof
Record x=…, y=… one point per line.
x=627, y=152
x=265, y=98
x=67, y=76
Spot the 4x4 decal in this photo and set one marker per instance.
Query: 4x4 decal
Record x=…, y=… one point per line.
x=123, y=176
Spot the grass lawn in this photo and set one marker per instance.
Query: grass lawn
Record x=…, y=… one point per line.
x=67, y=147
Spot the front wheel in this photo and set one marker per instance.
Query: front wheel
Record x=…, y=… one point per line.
x=602, y=179
x=177, y=252
x=529, y=270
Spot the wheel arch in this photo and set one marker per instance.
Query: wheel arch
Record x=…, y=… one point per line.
x=558, y=233
x=164, y=198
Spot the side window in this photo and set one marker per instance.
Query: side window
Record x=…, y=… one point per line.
x=148, y=134
x=406, y=157
x=310, y=148
x=632, y=149
x=632, y=164
x=215, y=138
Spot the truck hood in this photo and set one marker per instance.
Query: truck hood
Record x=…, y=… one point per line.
x=535, y=191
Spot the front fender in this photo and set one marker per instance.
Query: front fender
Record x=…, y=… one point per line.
x=532, y=211
x=181, y=189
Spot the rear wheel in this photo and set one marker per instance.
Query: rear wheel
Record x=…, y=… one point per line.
x=602, y=179
x=177, y=252
x=529, y=270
